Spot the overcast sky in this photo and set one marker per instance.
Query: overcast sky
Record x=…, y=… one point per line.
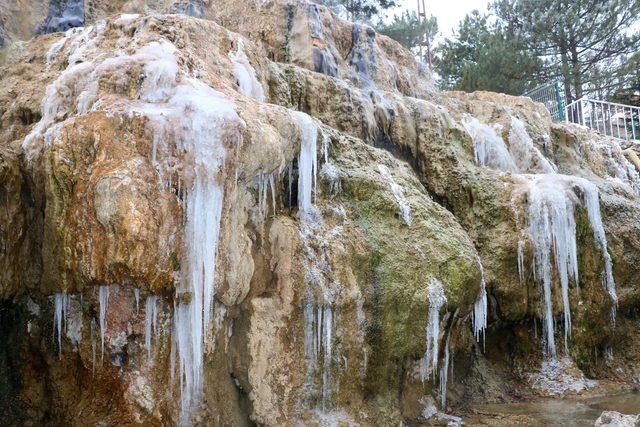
x=448, y=12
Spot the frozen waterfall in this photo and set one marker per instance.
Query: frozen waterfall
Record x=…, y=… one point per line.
x=103, y=298
x=61, y=308
x=398, y=194
x=552, y=226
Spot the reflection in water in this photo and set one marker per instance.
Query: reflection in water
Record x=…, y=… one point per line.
x=567, y=412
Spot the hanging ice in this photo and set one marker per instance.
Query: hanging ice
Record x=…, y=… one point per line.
x=245, y=74
x=480, y=306
x=196, y=119
x=398, y=194
x=307, y=161
x=318, y=343
x=521, y=261
x=527, y=157
x=151, y=322
x=61, y=308
x=552, y=226
x=437, y=299
x=488, y=148
x=266, y=182
x=103, y=298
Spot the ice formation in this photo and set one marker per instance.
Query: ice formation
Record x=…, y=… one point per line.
x=558, y=376
x=398, y=194
x=521, y=261
x=488, y=148
x=307, y=161
x=318, y=342
x=245, y=74
x=437, y=299
x=526, y=156
x=266, y=182
x=103, y=298
x=61, y=308
x=151, y=322
x=551, y=215
x=619, y=168
x=480, y=306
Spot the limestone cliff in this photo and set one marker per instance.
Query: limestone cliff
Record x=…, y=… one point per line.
x=258, y=213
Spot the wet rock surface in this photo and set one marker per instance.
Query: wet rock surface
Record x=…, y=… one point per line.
x=269, y=215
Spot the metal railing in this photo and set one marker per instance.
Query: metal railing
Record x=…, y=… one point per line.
x=551, y=97
x=608, y=118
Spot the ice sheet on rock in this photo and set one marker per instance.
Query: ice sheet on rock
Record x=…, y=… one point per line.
x=307, y=161
x=559, y=376
x=527, y=157
x=488, y=148
x=618, y=167
x=398, y=194
x=437, y=300
x=245, y=74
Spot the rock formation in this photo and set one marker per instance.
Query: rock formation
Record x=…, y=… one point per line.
x=270, y=215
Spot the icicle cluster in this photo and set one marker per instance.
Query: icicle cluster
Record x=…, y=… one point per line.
x=398, y=194
x=437, y=299
x=551, y=214
x=150, y=321
x=266, y=182
x=60, y=310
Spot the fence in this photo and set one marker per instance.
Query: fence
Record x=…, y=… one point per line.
x=552, y=97
x=608, y=118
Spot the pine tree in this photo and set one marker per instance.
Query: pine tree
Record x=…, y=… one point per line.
x=410, y=30
x=579, y=41
x=485, y=56
x=359, y=10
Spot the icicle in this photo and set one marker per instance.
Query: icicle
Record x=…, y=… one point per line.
x=592, y=203
x=398, y=194
x=136, y=294
x=307, y=161
x=480, y=306
x=325, y=147
x=61, y=308
x=151, y=319
x=521, y=260
x=103, y=298
x=437, y=299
